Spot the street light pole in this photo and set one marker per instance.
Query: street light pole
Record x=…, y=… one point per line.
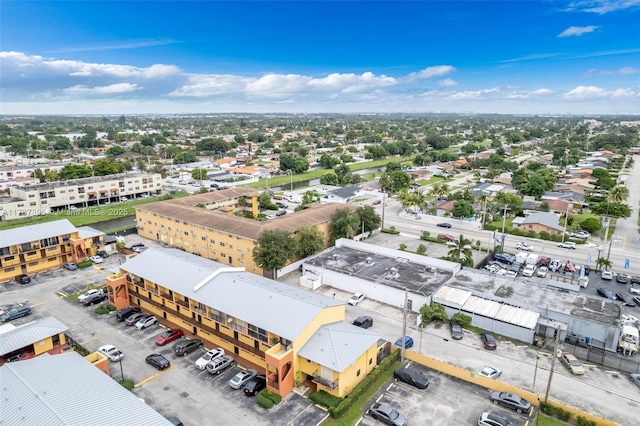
x=290, y=173
x=404, y=324
x=383, y=204
x=553, y=363
x=535, y=373
x=504, y=219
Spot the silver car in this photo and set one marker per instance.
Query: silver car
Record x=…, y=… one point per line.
x=239, y=380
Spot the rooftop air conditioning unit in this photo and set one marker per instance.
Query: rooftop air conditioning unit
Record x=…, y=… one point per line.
x=336, y=256
x=369, y=261
x=394, y=271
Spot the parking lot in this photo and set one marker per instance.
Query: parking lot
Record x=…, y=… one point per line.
x=193, y=395
x=446, y=401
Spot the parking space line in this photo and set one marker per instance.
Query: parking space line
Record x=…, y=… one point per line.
x=152, y=377
x=45, y=301
x=98, y=336
x=62, y=293
x=301, y=412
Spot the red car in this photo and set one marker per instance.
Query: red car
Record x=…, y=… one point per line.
x=169, y=336
x=447, y=237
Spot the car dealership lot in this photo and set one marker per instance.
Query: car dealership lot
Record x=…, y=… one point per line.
x=446, y=401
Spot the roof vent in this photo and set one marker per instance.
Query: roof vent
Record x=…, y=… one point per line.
x=369, y=261
x=394, y=271
x=335, y=256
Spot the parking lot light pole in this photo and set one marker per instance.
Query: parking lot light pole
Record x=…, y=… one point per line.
x=121, y=372
x=535, y=373
x=290, y=173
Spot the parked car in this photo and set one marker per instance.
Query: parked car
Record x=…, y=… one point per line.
x=555, y=265
x=70, y=266
x=528, y=271
x=490, y=372
x=446, y=237
x=220, y=364
x=635, y=379
x=125, y=313
x=444, y=225
x=133, y=319
x=569, y=267
x=544, y=261
x=376, y=202
x=504, y=258
x=456, y=331
x=201, y=363
x=96, y=259
x=408, y=342
x=572, y=363
x=542, y=271
x=23, y=279
x=524, y=246
x=387, y=414
x=626, y=299
x=586, y=270
x=255, y=385
x=488, y=340
x=111, y=352
x=605, y=292
x=622, y=278
x=281, y=204
x=281, y=212
x=634, y=289
x=411, y=377
x=15, y=313
x=169, y=336
x=363, y=322
x=492, y=419
x=158, y=361
x=90, y=293
x=356, y=298
x=241, y=378
x=511, y=401
x=567, y=245
x=102, y=253
x=146, y=322
x=94, y=298
x=606, y=275
x=515, y=267
x=637, y=300
x=186, y=347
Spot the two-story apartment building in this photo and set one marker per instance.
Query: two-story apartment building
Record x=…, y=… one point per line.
x=44, y=246
x=208, y=224
x=286, y=331
x=47, y=197
x=32, y=339
x=16, y=172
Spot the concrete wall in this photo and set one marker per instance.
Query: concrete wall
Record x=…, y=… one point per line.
x=504, y=329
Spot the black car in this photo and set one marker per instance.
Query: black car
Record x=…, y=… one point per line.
x=102, y=253
x=363, y=322
x=94, y=298
x=637, y=300
x=504, y=258
x=626, y=299
x=456, y=331
x=412, y=377
x=605, y=292
x=187, y=346
x=281, y=213
x=511, y=401
x=281, y=204
x=23, y=279
x=444, y=225
x=255, y=385
x=15, y=313
x=158, y=361
x=488, y=341
x=622, y=278
x=125, y=313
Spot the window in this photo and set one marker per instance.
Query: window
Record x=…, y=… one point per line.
x=33, y=263
x=222, y=244
x=212, y=241
x=203, y=238
x=257, y=333
x=358, y=373
x=370, y=361
x=223, y=255
x=25, y=247
x=10, y=269
x=186, y=232
x=230, y=246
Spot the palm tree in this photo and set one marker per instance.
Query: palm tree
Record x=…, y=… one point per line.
x=344, y=224
x=440, y=190
x=603, y=263
x=619, y=194
x=461, y=252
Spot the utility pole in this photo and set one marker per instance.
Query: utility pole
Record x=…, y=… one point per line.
x=566, y=220
x=553, y=363
x=404, y=323
x=383, y=204
x=504, y=219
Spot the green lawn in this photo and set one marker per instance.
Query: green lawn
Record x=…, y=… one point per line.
x=544, y=420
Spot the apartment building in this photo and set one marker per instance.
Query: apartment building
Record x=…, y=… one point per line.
x=213, y=225
x=15, y=172
x=37, y=248
x=47, y=197
x=26, y=341
x=291, y=334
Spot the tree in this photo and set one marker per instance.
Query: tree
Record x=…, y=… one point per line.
x=399, y=180
x=107, y=167
x=74, y=171
x=214, y=145
x=461, y=252
x=603, y=263
x=326, y=162
x=619, y=194
x=329, y=179
x=287, y=162
x=344, y=224
x=115, y=150
x=264, y=200
x=309, y=241
x=591, y=224
x=462, y=209
x=198, y=174
x=273, y=249
x=610, y=209
x=369, y=219
x=439, y=190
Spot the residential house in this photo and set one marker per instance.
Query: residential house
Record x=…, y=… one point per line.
x=225, y=163
x=341, y=195
x=539, y=222
x=444, y=207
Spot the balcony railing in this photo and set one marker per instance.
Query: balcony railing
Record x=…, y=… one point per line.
x=324, y=382
x=274, y=384
x=183, y=303
x=167, y=296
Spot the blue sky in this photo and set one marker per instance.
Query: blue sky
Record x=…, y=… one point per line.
x=523, y=57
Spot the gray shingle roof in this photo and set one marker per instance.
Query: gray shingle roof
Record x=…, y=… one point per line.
x=280, y=308
x=346, y=192
x=25, y=234
x=66, y=389
x=29, y=334
x=548, y=219
x=338, y=345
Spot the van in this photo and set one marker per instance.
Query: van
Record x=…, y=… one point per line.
x=125, y=313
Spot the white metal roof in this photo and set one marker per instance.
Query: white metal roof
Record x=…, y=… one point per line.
x=30, y=333
x=89, y=232
x=450, y=296
x=338, y=345
x=66, y=389
x=279, y=308
x=25, y=234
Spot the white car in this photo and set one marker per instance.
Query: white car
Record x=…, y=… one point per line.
x=606, y=275
x=356, y=298
x=568, y=245
x=205, y=359
x=628, y=319
x=96, y=259
x=91, y=292
x=111, y=352
x=490, y=372
x=542, y=271
x=146, y=322
x=528, y=271
x=524, y=246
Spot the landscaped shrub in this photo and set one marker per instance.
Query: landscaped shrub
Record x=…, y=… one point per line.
x=105, y=309
x=462, y=319
x=422, y=249
x=263, y=401
x=558, y=412
x=325, y=399
x=582, y=421
x=364, y=385
x=273, y=397
x=84, y=264
x=127, y=384
x=563, y=414
x=432, y=239
x=402, y=247
x=432, y=312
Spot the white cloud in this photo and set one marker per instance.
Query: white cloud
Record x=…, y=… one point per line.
x=594, y=92
x=471, y=94
x=202, y=86
x=520, y=94
x=577, y=31
x=619, y=71
x=447, y=82
x=133, y=44
x=601, y=7
x=112, y=88
x=430, y=72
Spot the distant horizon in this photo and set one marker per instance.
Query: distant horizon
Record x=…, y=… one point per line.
x=575, y=57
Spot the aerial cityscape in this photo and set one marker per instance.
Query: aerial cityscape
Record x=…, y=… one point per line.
x=320, y=213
